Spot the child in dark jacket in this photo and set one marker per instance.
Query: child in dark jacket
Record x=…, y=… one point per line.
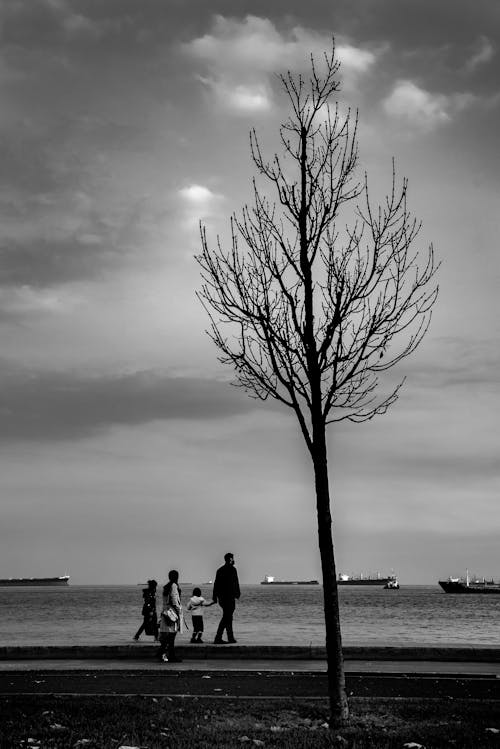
x=150, y=622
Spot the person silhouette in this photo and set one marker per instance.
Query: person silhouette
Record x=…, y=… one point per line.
x=226, y=591
x=171, y=619
x=149, y=619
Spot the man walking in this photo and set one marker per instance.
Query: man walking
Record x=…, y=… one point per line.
x=226, y=591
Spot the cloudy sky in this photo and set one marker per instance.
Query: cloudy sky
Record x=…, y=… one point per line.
x=124, y=451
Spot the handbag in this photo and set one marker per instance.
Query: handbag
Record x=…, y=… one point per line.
x=170, y=615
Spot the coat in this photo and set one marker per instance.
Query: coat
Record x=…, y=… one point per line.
x=171, y=601
x=226, y=585
x=149, y=614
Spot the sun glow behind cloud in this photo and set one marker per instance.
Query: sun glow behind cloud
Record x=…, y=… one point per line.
x=199, y=203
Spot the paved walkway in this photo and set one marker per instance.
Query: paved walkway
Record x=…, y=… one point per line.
x=470, y=661
x=243, y=652
x=238, y=670
x=288, y=665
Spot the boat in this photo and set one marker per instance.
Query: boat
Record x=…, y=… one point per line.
x=271, y=580
x=466, y=585
x=34, y=581
x=392, y=584
x=366, y=580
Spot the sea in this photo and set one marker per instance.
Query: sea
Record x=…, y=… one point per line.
x=270, y=615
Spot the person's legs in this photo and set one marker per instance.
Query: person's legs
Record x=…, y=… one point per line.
x=228, y=615
x=140, y=631
x=226, y=623
x=172, y=658
x=197, y=628
x=162, y=653
x=220, y=628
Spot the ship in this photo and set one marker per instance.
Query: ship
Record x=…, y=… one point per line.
x=15, y=582
x=392, y=584
x=368, y=580
x=466, y=585
x=271, y=580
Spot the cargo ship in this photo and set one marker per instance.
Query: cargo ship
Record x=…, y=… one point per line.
x=390, y=580
x=270, y=580
x=15, y=582
x=466, y=585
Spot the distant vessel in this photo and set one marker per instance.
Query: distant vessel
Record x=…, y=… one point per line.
x=392, y=584
x=270, y=580
x=466, y=585
x=34, y=581
x=367, y=580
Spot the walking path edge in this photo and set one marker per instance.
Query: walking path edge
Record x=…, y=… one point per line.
x=134, y=651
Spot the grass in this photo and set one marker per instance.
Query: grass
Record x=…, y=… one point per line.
x=187, y=723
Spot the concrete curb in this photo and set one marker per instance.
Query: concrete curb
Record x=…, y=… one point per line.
x=473, y=653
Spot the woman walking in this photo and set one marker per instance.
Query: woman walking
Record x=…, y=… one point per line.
x=171, y=618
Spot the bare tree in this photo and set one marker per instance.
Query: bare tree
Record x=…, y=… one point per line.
x=309, y=311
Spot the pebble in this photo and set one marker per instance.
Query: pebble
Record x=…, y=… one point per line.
x=57, y=727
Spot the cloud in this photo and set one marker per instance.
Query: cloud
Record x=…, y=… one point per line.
x=409, y=101
x=242, y=55
x=458, y=361
x=197, y=195
x=199, y=202
x=240, y=98
x=484, y=54
x=60, y=239
x=77, y=25
x=53, y=238
x=46, y=22
x=46, y=262
x=355, y=60
x=250, y=46
x=20, y=303
x=423, y=109
x=66, y=406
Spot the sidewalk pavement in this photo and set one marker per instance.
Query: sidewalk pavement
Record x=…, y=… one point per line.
x=451, y=668
x=429, y=659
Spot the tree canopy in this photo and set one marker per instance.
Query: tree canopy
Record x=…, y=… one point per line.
x=302, y=292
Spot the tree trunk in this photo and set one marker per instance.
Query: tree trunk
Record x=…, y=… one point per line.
x=339, y=709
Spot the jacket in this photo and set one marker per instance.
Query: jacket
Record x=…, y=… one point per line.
x=226, y=585
x=171, y=601
x=196, y=604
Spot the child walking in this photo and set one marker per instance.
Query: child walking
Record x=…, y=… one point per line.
x=150, y=621
x=195, y=605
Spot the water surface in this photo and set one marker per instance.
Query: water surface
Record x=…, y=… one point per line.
x=92, y=615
